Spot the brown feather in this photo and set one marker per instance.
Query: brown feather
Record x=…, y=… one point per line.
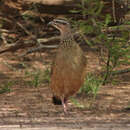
x=68, y=70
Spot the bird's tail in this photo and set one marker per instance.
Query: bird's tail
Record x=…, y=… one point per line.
x=56, y=101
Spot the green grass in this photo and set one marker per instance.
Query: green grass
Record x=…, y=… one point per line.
x=76, y=103
x=5, y=88
x=91, y=85
x=46, y=76
x=37, y=77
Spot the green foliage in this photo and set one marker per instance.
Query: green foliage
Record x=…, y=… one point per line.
x=76, y=103
x=37, y=77
x=91, y=85
x=34, y=78
x=46, y=76
x=94, y=29
x=6, y=87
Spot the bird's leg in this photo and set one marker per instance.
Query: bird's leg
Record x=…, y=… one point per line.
x=64, y=104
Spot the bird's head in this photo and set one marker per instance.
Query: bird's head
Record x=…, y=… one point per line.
x=60, y=24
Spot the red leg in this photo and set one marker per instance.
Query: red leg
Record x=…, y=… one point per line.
x=64, y=104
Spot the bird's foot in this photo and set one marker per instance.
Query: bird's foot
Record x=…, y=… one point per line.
x=64, y=104
x=65, y=110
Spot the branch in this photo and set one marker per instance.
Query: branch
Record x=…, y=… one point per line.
x=116, y=28
x=45, y=40
x=18, y=45
x=121, y=71
x=25, y=30
x=39, y=48
x=21, y=44
x=114, y=11
x=117, y=72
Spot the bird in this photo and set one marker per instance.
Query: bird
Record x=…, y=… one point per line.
x=68, y=68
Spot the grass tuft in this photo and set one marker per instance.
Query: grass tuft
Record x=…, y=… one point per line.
x=91, y=85
x=5, y=88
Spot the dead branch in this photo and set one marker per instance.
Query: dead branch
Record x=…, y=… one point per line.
x=117, y=72
x=116, y=28
x=121, y=71
x=54, y=2
x=5, y=19
x=25, y=30
x=114, y=11
x=15, y=47
x=39, y=48
x=18, y=45
x=46, y=40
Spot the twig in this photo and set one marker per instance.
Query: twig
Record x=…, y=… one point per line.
x=116, y=28
x=25, y=30
x=83, y=7
x=117, y=72
x=39, y=48
x=18, y=45
x=107, y=75
x=4, y=30
x=45, y=40
x=6, y=19
x=3, y=37
x=114, y=11
x=4, y=33
x=120, y=71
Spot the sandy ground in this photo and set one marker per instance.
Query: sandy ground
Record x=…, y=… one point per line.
x=26, y=107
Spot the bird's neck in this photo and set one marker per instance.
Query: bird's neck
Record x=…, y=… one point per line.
x=66, y=38
x=66, y=35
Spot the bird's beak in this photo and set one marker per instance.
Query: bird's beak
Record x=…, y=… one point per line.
x=50, y=23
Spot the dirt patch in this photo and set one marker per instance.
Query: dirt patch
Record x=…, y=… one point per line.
x=27, y=106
